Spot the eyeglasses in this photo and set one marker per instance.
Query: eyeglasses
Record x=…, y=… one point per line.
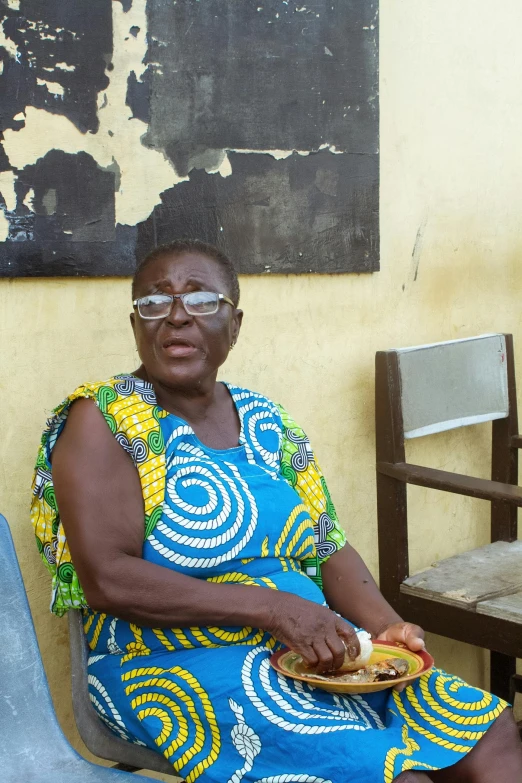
x=195, y=303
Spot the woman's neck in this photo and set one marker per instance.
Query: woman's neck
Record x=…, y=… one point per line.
x=208, y=408
x=193, y=404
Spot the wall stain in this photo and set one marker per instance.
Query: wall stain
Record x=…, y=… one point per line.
x=417, y=248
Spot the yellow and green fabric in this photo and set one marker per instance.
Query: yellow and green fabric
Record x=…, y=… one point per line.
x=129, y=408
x=206, y=697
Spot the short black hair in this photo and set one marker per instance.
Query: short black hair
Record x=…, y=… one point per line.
x=180, y=246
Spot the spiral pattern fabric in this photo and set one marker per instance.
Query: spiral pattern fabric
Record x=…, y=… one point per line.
x=269, y=437
x=261, y=430
x=206, y=697
x=209, y=512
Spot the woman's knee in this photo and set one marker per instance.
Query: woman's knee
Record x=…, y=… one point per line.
x=412, y=777
x=503, y=735
x=498, y=755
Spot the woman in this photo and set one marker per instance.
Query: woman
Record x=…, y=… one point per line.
x=189, y=510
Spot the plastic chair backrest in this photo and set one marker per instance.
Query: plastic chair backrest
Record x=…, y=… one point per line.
x=96, y=736
x=453, y=384
x=33, y=748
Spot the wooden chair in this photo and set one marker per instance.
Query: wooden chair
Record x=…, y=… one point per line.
x=475, y=597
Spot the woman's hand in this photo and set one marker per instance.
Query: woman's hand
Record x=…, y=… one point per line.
x=315, y=632
x=405, y=633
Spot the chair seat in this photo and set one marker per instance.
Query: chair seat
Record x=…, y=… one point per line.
x=489, y=577
x=507, y=607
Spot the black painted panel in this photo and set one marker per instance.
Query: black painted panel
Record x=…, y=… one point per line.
x=263, y=75
x=68, y=258
x=302, y=214
x=222, y=74
x=48, y=32
x=62, y=210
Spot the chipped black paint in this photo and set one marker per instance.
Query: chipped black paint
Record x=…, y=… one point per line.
x=302, y=214
x=275, y=74
x=61, y=210
x=69, y=229
x=218, y=75
x=68, y=258
x=138, y=95
x=47, y=32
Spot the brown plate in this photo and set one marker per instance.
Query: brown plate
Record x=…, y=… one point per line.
x=291, y=665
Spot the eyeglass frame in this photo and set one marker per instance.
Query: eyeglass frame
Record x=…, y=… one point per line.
x=172, y=297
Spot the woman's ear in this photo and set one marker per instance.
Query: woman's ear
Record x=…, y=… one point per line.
x=236, y=325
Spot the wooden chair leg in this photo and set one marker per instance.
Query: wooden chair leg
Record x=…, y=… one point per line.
x=516, y=687
x=502, y=670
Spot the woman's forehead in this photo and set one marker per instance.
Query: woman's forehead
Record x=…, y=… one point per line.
x=182, y=269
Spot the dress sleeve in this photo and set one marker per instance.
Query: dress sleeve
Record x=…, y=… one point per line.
x=50, y=537
x=301, y=470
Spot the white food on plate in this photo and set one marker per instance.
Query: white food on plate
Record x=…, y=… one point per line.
x=365, y=640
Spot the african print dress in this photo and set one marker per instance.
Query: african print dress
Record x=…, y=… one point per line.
x=207, y=698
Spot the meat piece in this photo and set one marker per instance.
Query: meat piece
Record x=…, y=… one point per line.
x=388, y=669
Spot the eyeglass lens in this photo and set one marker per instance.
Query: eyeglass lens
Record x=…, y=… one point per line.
x=195, y=303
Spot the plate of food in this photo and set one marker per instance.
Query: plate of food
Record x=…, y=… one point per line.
x=387, y=665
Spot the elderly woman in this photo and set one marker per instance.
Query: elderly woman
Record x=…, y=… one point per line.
x=190, y=521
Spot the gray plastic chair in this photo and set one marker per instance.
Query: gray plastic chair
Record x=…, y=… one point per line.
x=33, y=748
x=98, y=738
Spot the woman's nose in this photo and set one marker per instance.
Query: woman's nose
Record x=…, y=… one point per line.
x=178, y=315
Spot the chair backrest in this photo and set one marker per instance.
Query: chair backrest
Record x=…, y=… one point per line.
x=33, y=748
x=431, y=388
x=453, y=384
x=96, y=736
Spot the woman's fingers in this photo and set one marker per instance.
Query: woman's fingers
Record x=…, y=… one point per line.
x=317, y=634
x=407, y=633
x=309, y=656
x=338, y=649
x=324, y=655
x=349, y=637
x=325, y=651
x=414, y=638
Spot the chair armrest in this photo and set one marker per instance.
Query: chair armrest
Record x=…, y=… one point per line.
x=451, y=482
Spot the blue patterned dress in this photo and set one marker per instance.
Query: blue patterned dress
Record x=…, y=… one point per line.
x=207, y=698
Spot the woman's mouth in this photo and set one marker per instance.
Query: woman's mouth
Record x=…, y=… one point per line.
x=179, y=349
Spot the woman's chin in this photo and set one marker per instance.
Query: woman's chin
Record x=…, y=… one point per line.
x=183, y=374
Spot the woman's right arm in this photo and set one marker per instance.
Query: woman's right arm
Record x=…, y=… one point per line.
x=101, y=508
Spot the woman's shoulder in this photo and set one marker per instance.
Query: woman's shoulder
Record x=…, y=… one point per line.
x=110, y=392
x=248, y=399
x=121, y=385
x=126, y=402
x=240, y=393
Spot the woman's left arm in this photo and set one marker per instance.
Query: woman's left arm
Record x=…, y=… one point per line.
x=351, y=591
x=349, y=588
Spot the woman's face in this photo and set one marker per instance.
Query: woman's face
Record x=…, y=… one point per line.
x=183, y=351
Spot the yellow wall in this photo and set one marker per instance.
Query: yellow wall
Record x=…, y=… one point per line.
x=451, y=121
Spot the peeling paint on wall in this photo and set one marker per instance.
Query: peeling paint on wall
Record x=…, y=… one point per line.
x=143, y=173
x=116, y=110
